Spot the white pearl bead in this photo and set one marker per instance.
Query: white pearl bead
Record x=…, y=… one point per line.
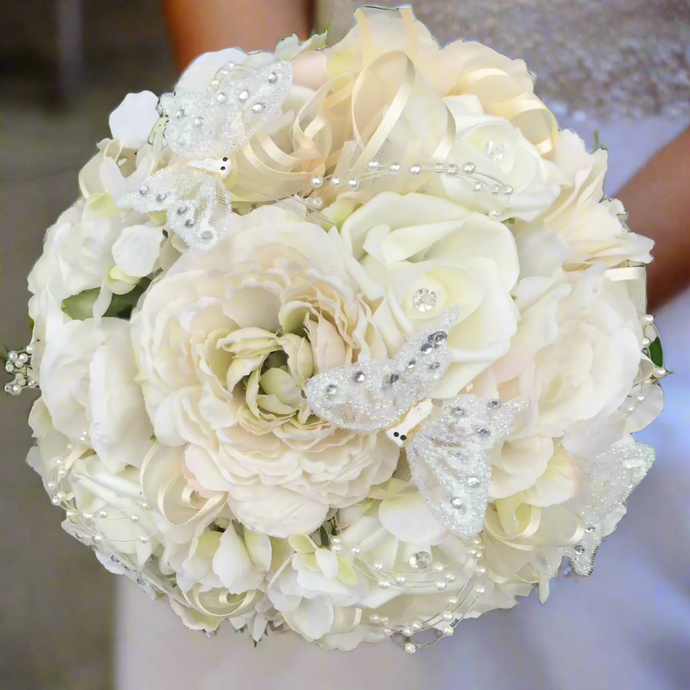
x=353, y=183
x=407, y=631
x=384, y=620
x=97, y=539
x=394, y=167
x=469, y=168
x=410, y=647
x=272, y=78
x=439, y=168
x=452, y=601
x=378, y=565
x=87, y=516
x=452, y=170
x=640, y=398
x=374, y=618
x=243, y=96
x=70, y=514
x=441, y=585
x=356, y=550
x=415, y=169
x=400, y=580
x=481, y=589
x=373, y=165
x=388, y=632
x=143, y=538
x=437, y=567
x=384, y=584
x=450, y=577
x=416, y=626
x=660, y=372
x=508, y=190
x=55, y=501
x=52, y=486
x=317, y=182
x=145, y=506
x=221, y=98
x=480, y=570
x=448, y=630
x=102, y=514
x=336, y=182
x=257, y=108
x=648, y=319
x=336, y=548
x=134, y=518
x=448, y=615
x=646, y=342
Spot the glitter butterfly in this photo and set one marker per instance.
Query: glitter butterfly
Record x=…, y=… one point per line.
x=447, y=447
x=204, y=130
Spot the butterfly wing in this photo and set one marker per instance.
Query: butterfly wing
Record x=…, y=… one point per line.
x=373, y=394
x=449, y=459
x=192, y=200
x=607, y=480
x=240, y=101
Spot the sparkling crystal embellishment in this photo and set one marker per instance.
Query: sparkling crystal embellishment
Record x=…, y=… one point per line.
x=420, y=561
x=495, y=150
x=424, y=300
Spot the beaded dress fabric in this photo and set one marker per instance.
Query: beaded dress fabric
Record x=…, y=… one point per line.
x=594, y=59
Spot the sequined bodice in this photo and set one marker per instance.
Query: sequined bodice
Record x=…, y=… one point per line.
x=596, y=59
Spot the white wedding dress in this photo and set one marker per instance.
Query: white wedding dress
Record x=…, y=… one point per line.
x=628, y=626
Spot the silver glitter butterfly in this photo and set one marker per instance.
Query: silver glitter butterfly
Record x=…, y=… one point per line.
x=204, y=131
x=447, y=447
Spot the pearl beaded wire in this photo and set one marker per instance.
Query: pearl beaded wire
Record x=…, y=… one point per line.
x=466, y=173
x=464, y=599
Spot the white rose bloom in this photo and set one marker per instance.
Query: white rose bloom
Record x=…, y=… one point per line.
x=497, y=148
x=424, y=255
x=590, y=223
x=225, y=342
x=580, y=380
x=88, y=385
x=132, y=121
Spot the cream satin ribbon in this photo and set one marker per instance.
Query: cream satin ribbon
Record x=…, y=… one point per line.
x=219, y=603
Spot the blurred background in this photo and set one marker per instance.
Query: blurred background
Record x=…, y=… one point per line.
x=64, y=66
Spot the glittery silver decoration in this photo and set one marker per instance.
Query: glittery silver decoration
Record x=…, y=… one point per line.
x=607, y=479
x=205, y=130
x=239, y=103
x=193, y=200
x=449, y=460
x=374, y=393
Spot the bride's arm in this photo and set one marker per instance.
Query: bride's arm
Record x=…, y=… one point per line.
x=658, y=201
x=200, y=26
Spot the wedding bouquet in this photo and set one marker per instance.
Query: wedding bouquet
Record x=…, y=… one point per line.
x=344, y=340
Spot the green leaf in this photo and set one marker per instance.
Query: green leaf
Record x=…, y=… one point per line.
x=597, y=142
x=656, y=353
x=80, y=307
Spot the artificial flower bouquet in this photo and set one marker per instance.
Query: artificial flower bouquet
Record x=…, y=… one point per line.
x=342, y=340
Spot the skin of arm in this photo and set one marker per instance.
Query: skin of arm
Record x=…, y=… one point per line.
x=201, y=26
x=657, y=200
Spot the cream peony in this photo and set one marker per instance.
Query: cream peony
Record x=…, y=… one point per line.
x=225, y=342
